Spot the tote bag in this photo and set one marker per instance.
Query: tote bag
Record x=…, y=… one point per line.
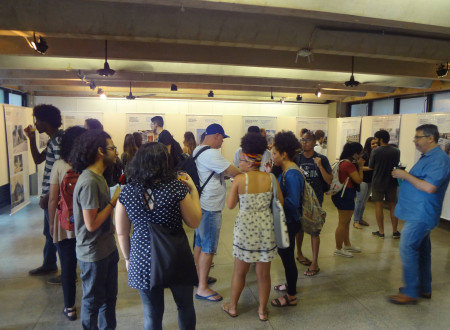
x=279, y=218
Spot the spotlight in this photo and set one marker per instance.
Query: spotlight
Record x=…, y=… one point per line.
x=282, y=100
x=41, y=46
x=92, y=85
x=211, y=94
x=271, y=93
x=174, y=88
x=318, y=93
x=441, y=71
x=101, y=93
x=299, y=98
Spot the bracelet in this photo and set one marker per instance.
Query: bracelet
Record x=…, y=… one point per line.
x=112, y=205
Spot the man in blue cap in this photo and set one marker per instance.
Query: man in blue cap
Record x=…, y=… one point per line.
x=213, y=166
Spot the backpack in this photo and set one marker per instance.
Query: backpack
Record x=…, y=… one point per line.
x=190, y=167
x=65, y=205
x=313, y=216
x=336, y=185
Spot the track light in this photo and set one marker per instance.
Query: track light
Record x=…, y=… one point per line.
x=92, y=85
x=174, y=88
x=282, y=100
x=299, y=98
x=318, y=93
x=271, y=93
x=101, y=93
x=211, y=94
x=441, y=71
x=41, y=46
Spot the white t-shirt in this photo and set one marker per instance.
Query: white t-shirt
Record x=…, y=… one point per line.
x=213, y=195
x=265, y=158
x=318, y=148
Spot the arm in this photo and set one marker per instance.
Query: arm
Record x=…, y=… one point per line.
x=191, y=210
x=292, y=199
x=94, y=219
x=52, y=204
x=231, y=171
x=280, y=194
x=328, y=177
x=233, y=195
x=123, y=226
x=38, y=157
x=357, y=176
x=419, y=184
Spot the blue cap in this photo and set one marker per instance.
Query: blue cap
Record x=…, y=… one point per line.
x=214, y=129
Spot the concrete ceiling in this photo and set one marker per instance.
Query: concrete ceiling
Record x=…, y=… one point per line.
x=242, y=50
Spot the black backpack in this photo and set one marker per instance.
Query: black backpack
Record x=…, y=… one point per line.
x=190, y=167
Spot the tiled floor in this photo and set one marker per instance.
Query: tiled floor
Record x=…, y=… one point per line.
x=346, y=294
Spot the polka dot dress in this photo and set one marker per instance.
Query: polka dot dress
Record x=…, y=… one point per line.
x=253, y=236
x=166, y=211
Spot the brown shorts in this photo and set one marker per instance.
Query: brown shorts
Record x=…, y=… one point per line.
x=389, y=195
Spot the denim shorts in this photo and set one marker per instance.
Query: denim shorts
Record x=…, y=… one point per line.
x=207, y=234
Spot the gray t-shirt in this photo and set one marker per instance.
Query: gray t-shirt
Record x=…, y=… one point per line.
x=92, y=192
x=383, y=160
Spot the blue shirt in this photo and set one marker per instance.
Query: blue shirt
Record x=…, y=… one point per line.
x=416, y=205
x=291, y=185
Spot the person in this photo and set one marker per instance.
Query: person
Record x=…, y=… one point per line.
x=164, y=137
x=320, y=142
x=363, y=194
x=420, y=205
x=96, y=247
x=189, y=143
x=212, y=201
x=291, y=183
x=317, y=171
x=154, y=194
x=382, y=160
x=137, y=139
x=253, y=236
x=92, y=123
x=47, y=119
x=346, y=203
x=263, y=132
x=129, y=150
x=238, y=154
x=64, y=238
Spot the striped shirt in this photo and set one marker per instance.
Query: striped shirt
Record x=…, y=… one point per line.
x=52, y=153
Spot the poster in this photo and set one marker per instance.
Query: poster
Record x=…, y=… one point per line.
x=17, y=146
x=390, y=124
x=77, y=119
x=350, y=132
x=139, y=122
x=198, y=124
x=268, y=123
x=313, y=124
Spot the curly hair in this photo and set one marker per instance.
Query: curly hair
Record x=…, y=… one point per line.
x=49, y=114
x=383, y=135
x=84, y=152
x=150, y=165
x=92, y=123
x=350, y=149
x=286, y=142
x=68, y=140
x=253, y=143
x=189, y=142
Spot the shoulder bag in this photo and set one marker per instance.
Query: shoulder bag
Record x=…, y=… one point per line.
x=279, y=218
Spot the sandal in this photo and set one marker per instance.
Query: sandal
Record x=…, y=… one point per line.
x=277, y=303
x=280, y=287
x=311, y=272
x=263, y=317
x=73, y=311
x=357, y=225
x=226, y=309
x=305, y=262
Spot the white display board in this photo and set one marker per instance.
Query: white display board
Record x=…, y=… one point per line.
x=390, y=124
x=78, y=118
x=314, y=124
x=197, y=124
x=350, y=132
x=17, y=147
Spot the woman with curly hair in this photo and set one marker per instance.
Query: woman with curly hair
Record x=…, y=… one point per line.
x=253, y=237
x=189, y=143
x=129, y=150
x=153, y=194
x=291, y=184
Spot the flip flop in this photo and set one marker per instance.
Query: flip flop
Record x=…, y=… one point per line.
x=305, y=262
x=228, y=311
x=263, y=317
x=278, y=287
x=287, y=302
x=311, y=272
x=209, y=298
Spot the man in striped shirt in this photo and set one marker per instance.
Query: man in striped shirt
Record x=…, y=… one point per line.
x=47, y=119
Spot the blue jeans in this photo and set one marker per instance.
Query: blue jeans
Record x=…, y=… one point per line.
x=68, y=259
x=415, y=251
x=49, y=248
x=153, y=304
x=362, y=196
x=98, y=304
x=207, y=234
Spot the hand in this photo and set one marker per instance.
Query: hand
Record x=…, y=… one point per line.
x=318, y=161
x=30, y=132
x=43, y=202
x=268, y=166
x=399, y=174
x=361, y=162
x=187, y=181
x=50, y=228
x=116, y=195
x=127, y=263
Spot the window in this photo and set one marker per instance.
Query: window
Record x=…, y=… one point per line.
x=383, y=107
x=414, y=105
x=359, y=110
x=15, y=99
x=441, y=102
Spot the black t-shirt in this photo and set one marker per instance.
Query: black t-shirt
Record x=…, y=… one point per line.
x=383, y=160
x=312, y=172
x=167, y=139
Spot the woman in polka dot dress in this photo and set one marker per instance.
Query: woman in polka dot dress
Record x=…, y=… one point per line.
x=253, y=238
x=153, y=194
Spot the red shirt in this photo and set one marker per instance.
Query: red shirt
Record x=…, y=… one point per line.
x=345, y=168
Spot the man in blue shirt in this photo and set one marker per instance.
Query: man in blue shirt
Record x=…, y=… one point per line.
x=420, y=206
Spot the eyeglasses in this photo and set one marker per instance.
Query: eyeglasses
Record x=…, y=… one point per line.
x=243, y=160
x=112, y=148
x=416, y=137
x=306, y=140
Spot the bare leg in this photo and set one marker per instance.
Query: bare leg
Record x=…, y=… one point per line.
x=380, y=216
x=299, y=241
x=394, y=219
x=263, y=275
x=203, y=267
x=315, y=243
x=237, y=283
x=349, y=215
x=343, y=228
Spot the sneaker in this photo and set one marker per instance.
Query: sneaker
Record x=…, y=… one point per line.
x=54, y=280
x=396, y=235
x=352, y=248
x=343, y=253
x=377, y=233
x=42, y=271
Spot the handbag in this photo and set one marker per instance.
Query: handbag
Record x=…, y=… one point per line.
x=279, y=218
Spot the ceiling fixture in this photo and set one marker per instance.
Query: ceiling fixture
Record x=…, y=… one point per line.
x=441, y=71
x=211, y=94
x=304, y=52
x=92, y=85
x=318, y=93
x=271, y=93
x=173, y=88
x=130, y=96
x=352, y=82
x=101, y=93
x=282, y=100
x=299, y=98
x=106, y=71
x=41, y=46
